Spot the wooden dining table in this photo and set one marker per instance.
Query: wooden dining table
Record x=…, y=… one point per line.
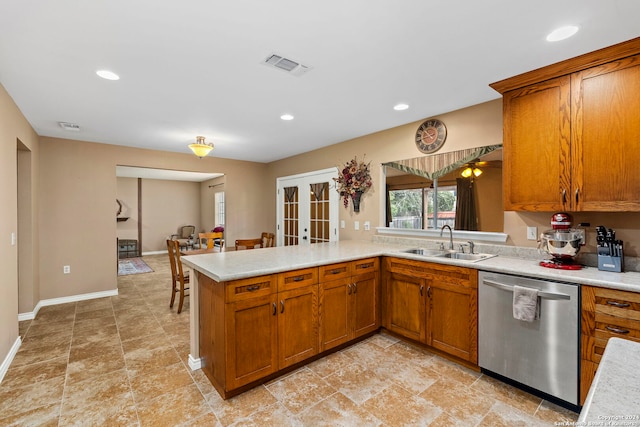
x=186, y=252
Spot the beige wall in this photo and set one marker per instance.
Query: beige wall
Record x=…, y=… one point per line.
x=78, y=192
x=470, y=127
x=167, y=206
x=15, y=132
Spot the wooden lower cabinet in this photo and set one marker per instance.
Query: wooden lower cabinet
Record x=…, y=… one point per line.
x=406, y=307
x=349, y=306
x=606, y=313
x=434, y=304
x=253, y=328
x=252, y=332
x=453, y=317
x=297, y=325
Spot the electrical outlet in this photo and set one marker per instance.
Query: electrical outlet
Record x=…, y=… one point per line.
x=532, y=233
x=342, y=223
x=367, y=225
x=66, y=269
x=356, y=225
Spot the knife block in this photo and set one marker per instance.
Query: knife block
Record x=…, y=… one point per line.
x=610, y=263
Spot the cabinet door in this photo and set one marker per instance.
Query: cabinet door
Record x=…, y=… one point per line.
x=335, y=299
x=365, y=308
x=297, y=325
x=406, y=306
x=252, y=340
x=606, y=136
x=537, y=137
x=452, y=320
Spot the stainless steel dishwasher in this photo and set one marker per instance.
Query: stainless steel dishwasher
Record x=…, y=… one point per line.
x=542, y=354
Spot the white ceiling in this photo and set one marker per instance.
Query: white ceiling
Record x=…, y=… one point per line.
x=193, y=67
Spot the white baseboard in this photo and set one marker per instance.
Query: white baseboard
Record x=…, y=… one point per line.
x=154, y=252
x=64, y=300
x=4, y=367
x=194, y=363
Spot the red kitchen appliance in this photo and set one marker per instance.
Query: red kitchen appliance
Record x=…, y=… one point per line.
x=561, y=242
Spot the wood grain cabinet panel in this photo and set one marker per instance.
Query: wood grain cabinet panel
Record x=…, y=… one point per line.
x=575, y=132
x=434, y=304
x=606, y=313
x=252, y=333
x=349, y=306
x=297, y=325
x=252, y=329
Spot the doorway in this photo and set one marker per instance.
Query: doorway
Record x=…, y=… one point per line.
x=307, y=208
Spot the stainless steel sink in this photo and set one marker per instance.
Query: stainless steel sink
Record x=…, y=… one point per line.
x=469, y=257
x=426, y=252
x=448, y=254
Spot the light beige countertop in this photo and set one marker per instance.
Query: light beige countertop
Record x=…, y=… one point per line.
x=233, y=265
x=614, y=396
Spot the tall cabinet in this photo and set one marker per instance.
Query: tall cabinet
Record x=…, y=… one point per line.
x=572, y=134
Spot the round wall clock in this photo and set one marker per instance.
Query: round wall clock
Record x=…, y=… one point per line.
x=431, y=135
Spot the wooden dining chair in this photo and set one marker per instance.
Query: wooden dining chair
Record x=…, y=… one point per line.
x=178, y=278
x=208, y=240
x=268, y=240
x=248, y=244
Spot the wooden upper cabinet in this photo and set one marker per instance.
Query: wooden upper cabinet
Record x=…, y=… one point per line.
x=572, y=133
x=537, y=138
x=606, y=136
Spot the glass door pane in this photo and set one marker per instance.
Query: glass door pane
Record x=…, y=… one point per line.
x=290, y=219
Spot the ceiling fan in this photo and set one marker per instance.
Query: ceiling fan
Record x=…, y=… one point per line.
x=473, y=168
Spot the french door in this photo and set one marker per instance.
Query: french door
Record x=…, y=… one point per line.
x=307, y=209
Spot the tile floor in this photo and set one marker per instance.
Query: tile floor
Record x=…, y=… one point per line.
x=123, y=361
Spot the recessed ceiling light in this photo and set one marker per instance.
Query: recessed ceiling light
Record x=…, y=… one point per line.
x=286, y=117
x=562, y=33
x=400, y=107
x=109, y=75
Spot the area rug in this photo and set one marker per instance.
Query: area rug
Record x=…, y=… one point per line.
x=132, y=266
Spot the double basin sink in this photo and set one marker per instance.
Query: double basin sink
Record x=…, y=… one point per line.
x=449, y=254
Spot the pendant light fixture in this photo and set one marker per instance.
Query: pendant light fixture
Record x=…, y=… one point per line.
x=201, y=148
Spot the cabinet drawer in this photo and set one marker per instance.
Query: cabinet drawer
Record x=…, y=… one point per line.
x=334, y=271
x=238, y=290
x=368, y=265
x=617, y=303
x=297, y=279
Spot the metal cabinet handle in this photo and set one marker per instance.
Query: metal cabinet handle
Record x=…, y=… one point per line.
x=617, y=330
x=541, y=294
x=298, y=279
x=281, y=306
x=618, y=304
x=421, y=290
x=275, y=309
x=564, y=196
x=349, y=286
x=429, y=291
x=253, y=288
x=577, y=195
x=355, y=288
x=335, y=271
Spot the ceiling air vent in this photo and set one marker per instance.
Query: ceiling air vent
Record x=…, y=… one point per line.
x=69, y=126
x=285, y=64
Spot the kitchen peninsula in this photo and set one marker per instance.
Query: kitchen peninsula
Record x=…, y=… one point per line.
x=275, y=282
